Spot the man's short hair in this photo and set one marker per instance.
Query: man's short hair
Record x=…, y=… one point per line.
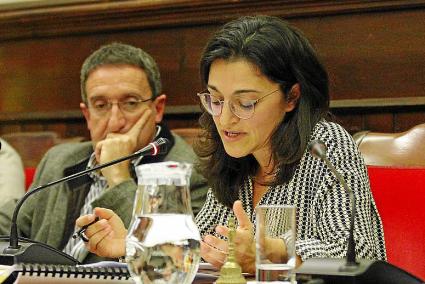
x=119, y=53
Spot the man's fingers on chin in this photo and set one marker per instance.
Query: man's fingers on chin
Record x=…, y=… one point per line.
x=138, y=126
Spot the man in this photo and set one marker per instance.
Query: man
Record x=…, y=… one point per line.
x=123, y=106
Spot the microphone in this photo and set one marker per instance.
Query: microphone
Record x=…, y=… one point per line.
x=350, y=270
x=318, y=149
x=36, y=252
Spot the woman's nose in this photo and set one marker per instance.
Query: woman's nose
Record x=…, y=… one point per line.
x=227, y=117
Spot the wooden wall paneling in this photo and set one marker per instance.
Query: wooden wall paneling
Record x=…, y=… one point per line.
x=77, y=128
x=181, y=121
x=351, y=122
x=9, y=128
x=69, y=128
x=52, y=20
x=406, y=120
x=33, y=127
x=46, y=77
x=372, y=49
x=59, y=127
x=41, y=74
x=381, y=122
x=371, y=55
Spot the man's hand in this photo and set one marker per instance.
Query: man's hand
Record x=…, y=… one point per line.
x=106, y=236
x=117, y=145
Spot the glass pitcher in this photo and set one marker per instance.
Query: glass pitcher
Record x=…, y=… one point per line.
x=163, y=241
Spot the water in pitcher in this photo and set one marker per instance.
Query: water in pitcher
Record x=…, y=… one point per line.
x=163, y=242
x=163, y=248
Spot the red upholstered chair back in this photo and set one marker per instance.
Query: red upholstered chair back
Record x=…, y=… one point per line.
x=399, y=194
x=396, y=165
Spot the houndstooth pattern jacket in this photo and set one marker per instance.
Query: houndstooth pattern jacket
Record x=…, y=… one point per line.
x=323, y=206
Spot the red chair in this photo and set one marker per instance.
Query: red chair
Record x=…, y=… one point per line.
x=29, y=176
x=399, y=194
x=396, y=166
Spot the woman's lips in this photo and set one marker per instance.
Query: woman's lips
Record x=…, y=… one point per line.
x=232, y=135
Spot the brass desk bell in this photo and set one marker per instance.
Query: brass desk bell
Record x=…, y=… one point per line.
x=231, y=272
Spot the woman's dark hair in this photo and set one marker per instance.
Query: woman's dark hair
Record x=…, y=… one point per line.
x=285, y=56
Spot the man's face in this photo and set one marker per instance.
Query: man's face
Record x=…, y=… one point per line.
x=114, y=95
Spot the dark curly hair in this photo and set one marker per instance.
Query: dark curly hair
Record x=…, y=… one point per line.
x=285, y=56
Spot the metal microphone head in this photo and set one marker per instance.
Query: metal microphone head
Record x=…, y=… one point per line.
x=317, y=148
x=161, y=145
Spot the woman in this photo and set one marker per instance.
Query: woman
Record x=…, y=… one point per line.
x=266, y=97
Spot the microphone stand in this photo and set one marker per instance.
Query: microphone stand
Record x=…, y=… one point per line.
x=42, y=253
x=351, y=264
x=336, y=270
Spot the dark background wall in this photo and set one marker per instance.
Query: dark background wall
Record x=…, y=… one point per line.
x=374, y=52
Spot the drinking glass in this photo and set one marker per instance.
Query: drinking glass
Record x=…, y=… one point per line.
x=163, y=241
x=275, y=223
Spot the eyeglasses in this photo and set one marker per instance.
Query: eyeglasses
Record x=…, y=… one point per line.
x=241, y=107
x=129, y=105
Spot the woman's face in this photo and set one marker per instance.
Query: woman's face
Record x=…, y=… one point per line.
x=230, y=79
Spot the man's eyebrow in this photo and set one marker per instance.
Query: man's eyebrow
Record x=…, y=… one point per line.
x=125, y=96
x=132, y=95
x=97, y=97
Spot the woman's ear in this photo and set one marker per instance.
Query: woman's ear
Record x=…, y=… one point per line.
x=293, y=97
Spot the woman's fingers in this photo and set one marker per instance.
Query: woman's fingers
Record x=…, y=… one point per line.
x=222, y=230
x=216, y=243
x=243, y=219
x=214, y=250
x=212, y=255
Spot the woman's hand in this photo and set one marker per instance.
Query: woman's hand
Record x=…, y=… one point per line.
x=106, y=236
x=214, y=250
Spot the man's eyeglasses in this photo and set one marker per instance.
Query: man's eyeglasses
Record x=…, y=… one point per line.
x=129, y=105
x=241, y=107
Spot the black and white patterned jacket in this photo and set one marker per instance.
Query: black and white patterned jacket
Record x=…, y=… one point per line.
x=323, y=206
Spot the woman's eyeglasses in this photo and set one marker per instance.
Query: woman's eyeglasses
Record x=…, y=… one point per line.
x=241, y=107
